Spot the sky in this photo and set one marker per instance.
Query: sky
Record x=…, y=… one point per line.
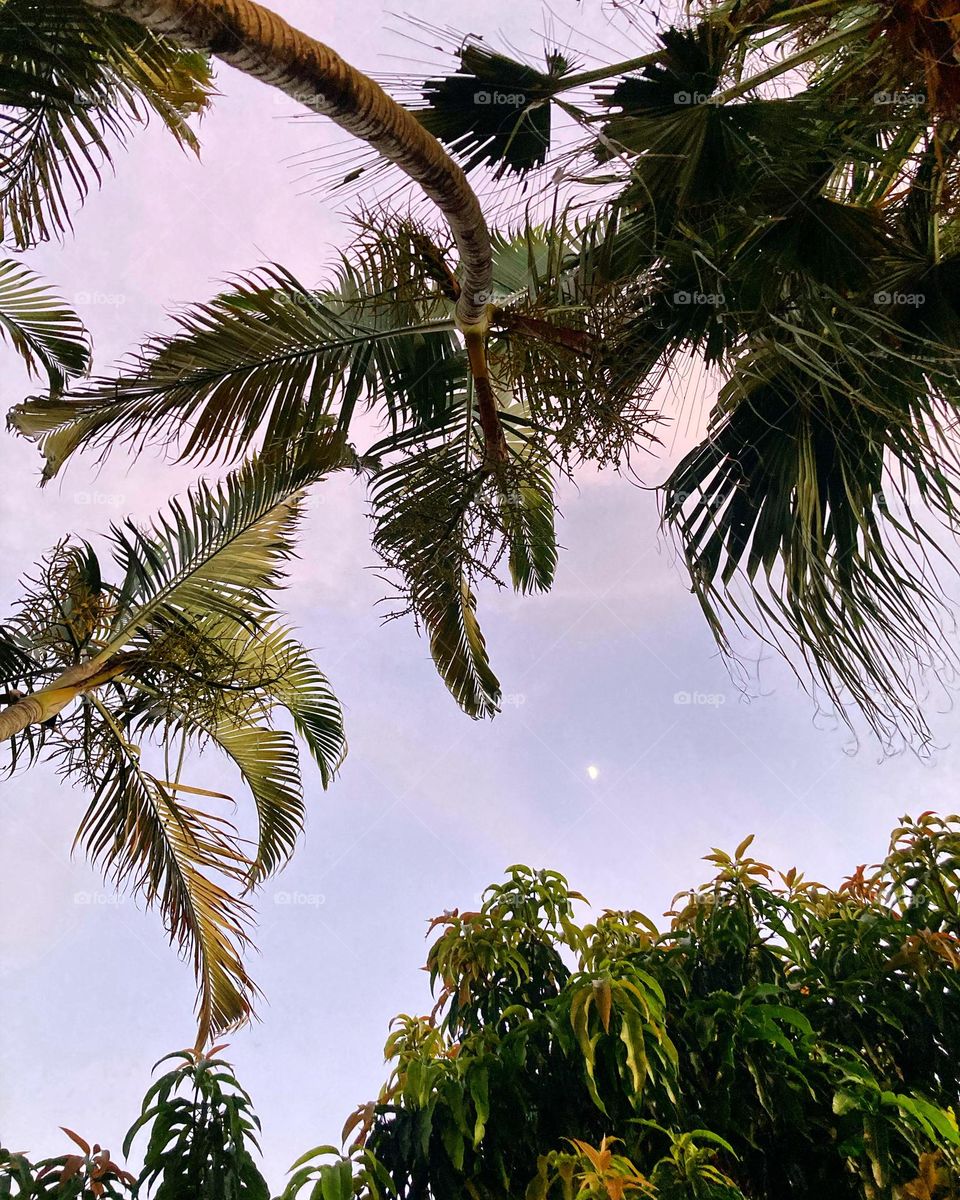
x=596, y=767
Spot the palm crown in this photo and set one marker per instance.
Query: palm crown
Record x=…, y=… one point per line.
x=184, y=649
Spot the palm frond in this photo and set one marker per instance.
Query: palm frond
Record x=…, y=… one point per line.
x=494, y=110
x=221, y=548
x=269, y=360
x=14, y=662
x=828, y=461
x=293, y=680
x=220, y=681
x=73, y=83
x=430, y=529
x=527, y=508
x=270, y=766
x=141, y=836
x=46, y=334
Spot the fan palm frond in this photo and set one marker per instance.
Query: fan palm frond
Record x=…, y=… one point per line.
x=493, y=110
x=818, y=486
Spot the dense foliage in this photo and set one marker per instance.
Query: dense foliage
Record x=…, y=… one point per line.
x=778, y=1038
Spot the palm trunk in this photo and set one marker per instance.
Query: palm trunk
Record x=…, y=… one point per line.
x=49, y=701
x=16, y=718
x=496, y=452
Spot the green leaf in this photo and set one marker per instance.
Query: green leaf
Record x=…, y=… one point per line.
x=46, y=334
x=74, y=81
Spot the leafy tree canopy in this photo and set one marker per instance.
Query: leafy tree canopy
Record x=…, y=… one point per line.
x=777, y=1038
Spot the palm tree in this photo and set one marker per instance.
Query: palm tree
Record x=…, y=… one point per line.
x=773, y=235
x=791, y=219
x=183, y=649
x=273, y=361
x=784, y=209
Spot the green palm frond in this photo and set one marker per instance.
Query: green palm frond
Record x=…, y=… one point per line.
x=432, y=528
x=262, y=673
x=220, y=550
x=73, y=82
x=293, y=681
x=267, y=359
x=443, y=522
x=270, y=766
x=47, y=335
x=527, y=507
x=140, y=834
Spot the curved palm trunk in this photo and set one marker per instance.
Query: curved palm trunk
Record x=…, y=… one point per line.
x=258, y=42
x=49, y=701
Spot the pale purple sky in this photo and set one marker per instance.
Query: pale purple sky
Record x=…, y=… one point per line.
x=430, y=806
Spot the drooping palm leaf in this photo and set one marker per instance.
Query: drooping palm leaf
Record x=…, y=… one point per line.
x=219, y=681
x=527, y=510
x=266, y=672
x=817, y=488
x=294, y=682
x=430, y=529
x=141, y=835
